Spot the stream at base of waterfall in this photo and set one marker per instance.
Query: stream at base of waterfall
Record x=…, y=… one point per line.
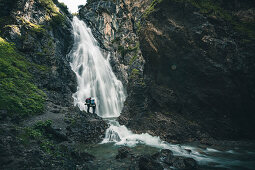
x=96, y=79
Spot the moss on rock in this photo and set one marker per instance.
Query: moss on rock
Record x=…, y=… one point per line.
x=18, y=95
x=49, y=6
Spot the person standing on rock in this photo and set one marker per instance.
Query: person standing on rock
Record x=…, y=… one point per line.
x=93, y=105
x=88, y=103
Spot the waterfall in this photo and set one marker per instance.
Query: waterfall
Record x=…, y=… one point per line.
x=96, y=79
x=94, y=74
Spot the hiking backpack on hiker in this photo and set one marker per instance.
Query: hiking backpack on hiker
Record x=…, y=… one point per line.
x=92, y=102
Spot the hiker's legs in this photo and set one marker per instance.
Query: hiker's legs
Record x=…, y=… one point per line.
x=88, y=108
x=94, y=109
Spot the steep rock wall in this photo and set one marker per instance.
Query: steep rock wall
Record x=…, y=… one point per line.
x=114, y=28
x=195, y=79
x=43, y=34
x=40, y=127
x=199, y=67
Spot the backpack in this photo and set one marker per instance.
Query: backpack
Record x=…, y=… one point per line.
x=93, y=103
x=88, y=100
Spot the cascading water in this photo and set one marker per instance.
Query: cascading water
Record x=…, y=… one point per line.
x=94, y=74
x=96, y=79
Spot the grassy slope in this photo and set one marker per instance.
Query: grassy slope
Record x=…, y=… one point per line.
x=18, y=95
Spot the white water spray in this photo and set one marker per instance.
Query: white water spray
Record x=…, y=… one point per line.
x=94, y=74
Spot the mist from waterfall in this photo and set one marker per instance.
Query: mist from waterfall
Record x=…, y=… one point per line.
x=94, y=74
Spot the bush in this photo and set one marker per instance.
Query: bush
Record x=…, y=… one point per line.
x=57, y=20
x=49, y=6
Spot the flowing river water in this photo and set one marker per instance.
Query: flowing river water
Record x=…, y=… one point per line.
x=96, y=79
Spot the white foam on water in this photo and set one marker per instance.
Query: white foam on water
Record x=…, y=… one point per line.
x=120, y=135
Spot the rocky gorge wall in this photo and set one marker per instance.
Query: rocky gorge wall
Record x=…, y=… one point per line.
x=187, y=65
x=201, y=56
x=39, y=126
x=188, y=68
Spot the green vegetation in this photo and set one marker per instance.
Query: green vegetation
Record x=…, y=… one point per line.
x=137, y=77
x=124, y=51
x=62, y=6
x=49, y=6
x=134, y=73
x=116, y=40
x=246, y=29
x=151, y=8
x=57, y=19
x=18, y=95
x=216, y=9
x=39, y=134
x=7, y=20
x=212, y=8
x=136, y=48
x=91, y=1
x=138, y=26
x=33, y=27
x=133, y=59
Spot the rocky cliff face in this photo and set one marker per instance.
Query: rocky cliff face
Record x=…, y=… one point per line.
x=114, y=27
x=42, y=33
x=192, y=78
x=40, y=127
x=203, y=59
x=37, y=29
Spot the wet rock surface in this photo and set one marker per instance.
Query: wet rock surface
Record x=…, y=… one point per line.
x=148, y=163
x=160, y=160
x=123, y=152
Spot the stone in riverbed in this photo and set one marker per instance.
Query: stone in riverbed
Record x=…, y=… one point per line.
x=148, y=163
x=183, y=163
x=166, y=156
x=123, y=152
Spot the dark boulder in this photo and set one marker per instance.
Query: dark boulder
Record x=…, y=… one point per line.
x=165, y=156
x=148, y=163
x=82, y=156
x=183, y=163
x=123, y=152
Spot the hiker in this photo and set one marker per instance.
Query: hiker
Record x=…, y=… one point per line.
x=88, y=103
x=93, y=105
